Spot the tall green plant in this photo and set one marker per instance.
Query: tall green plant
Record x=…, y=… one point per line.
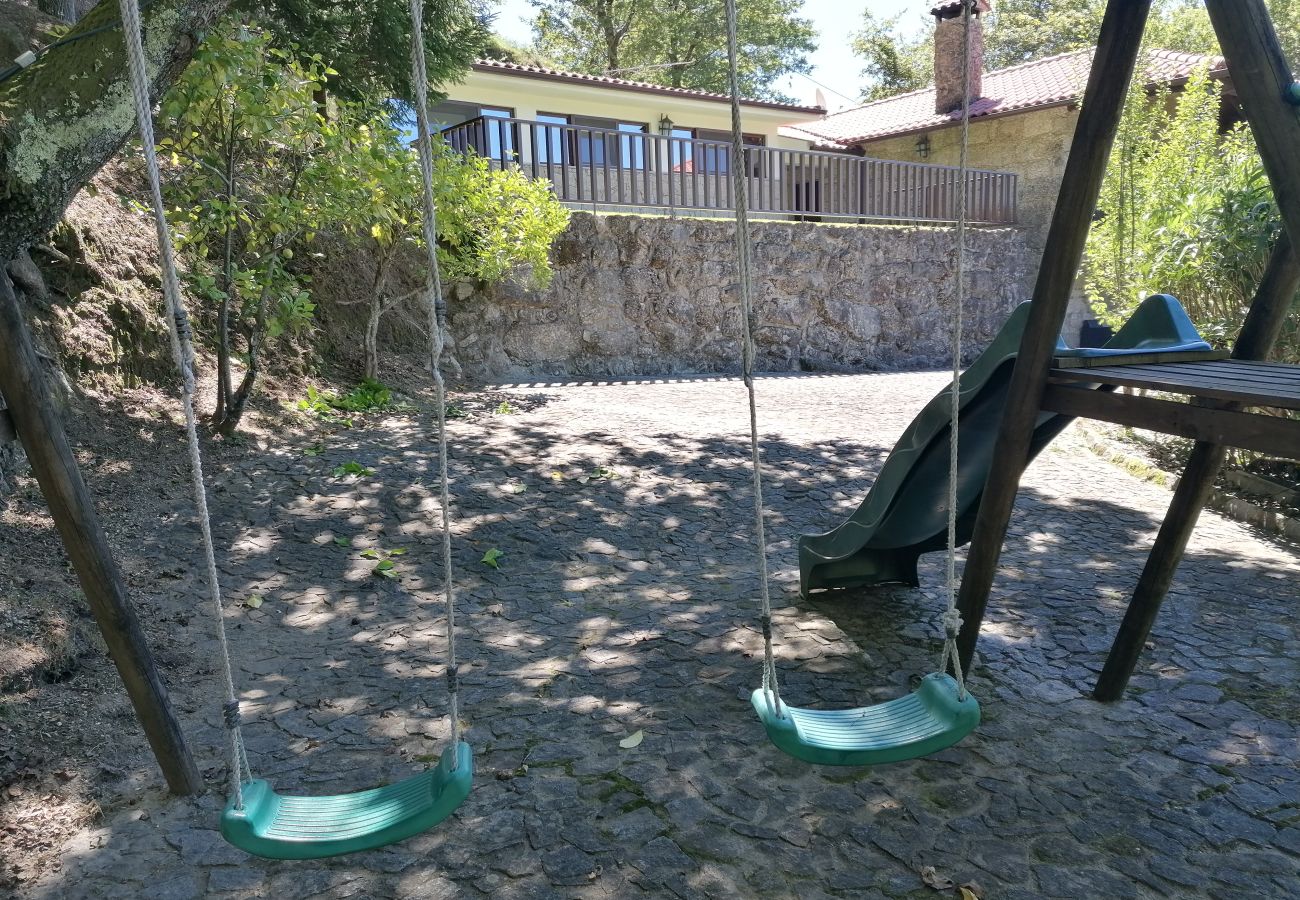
x=491, y=223
x=1185, y=210
x=253, y=175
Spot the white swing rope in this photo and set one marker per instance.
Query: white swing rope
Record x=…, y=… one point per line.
x=183, y=352
x=952, y=617
x=952, y=621
x=437, y=312
x=740, y=202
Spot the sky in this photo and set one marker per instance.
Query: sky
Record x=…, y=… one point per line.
x=835, y=69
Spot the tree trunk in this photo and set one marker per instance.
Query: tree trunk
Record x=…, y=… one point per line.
x=227, y=286
x=238, y=401
x=68, y=114
x=384, y=258
x=372, y=336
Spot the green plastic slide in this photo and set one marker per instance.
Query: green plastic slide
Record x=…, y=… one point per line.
x=906, y=512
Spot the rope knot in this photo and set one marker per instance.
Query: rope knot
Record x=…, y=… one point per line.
x=765, y=622
x=952, y=623
x=230, y=714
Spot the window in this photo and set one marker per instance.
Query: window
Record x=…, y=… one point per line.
x=451, y=112
x=682, y=152
x=689, y=154
x=499, y=143
x=550, y=142
x=631, y=150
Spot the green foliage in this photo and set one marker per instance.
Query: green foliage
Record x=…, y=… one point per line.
x=316, y=403
x=491, y=223
x=252, y=177
x=895, y=63
x=369, y=43
x=492, y=557
x=678, y=43
x=258, y=170
x=368, y=396
x=384, y=567
x=1020, y=31
x=354, y=468
x=1186, y=211
x=504, y=408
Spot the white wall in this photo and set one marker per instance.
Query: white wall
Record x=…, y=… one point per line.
x=528, y=96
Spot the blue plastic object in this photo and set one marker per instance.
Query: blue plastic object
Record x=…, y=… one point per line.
x=279, y=827
x=1293, y=93
x=926, y=721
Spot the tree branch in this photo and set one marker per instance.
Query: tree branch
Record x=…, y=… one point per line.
x=63, y=118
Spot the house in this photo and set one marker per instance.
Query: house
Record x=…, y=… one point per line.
x=612, y=144
x=1022, y=118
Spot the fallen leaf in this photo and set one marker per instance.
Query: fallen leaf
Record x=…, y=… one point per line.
x=490, y=558
x=254, y=601
x=935, y=879
x=969, y=891
x=557, y=476
x=632, y=740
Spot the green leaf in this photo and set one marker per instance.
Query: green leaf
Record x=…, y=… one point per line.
x=343, y=541
x=632, y=740
x=370, y=554
x=254, y=601
x=490, y=558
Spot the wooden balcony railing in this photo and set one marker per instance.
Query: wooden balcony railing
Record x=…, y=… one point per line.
x=601, y=167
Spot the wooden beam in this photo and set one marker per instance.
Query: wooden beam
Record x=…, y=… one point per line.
x=1259, y=70
x=25, y=389
x=1273, y=435
x=1264, y=81
x=1263, y=327
x=1103, y=101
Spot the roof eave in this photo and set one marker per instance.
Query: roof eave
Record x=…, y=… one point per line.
x=996, y=114
x=681, y=93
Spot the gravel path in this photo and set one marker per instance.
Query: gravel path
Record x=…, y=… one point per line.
x=624, y=602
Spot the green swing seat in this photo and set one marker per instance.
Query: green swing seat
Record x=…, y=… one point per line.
x=926, y=721
x=278, y=827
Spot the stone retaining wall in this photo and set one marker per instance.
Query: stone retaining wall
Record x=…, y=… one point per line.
x=635, y=295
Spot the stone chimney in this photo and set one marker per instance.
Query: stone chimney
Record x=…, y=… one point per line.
x=948, y=56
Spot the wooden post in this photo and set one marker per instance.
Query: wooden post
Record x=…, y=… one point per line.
x=1262, y=78
x=25, y=389
x=1103, y=101
x=1259, y=68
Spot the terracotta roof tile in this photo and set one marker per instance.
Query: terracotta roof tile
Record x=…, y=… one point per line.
x=495, y=65
x=1053, y=81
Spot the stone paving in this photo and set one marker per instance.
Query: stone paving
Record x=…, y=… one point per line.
x=624, y=602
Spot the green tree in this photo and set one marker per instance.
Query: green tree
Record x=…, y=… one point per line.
x=254, y=171
x=894, y=62
x=677, y=43
x=1186, y=211
x=491, y=223
x=586, y=35
x=1020, y=31
x=368, y=43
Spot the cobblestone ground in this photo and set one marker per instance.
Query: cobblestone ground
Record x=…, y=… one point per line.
x=626, y=604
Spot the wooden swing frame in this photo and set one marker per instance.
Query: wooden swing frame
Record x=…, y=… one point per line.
x=1219, y=390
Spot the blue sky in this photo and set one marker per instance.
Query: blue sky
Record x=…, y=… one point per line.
x=834, y=65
